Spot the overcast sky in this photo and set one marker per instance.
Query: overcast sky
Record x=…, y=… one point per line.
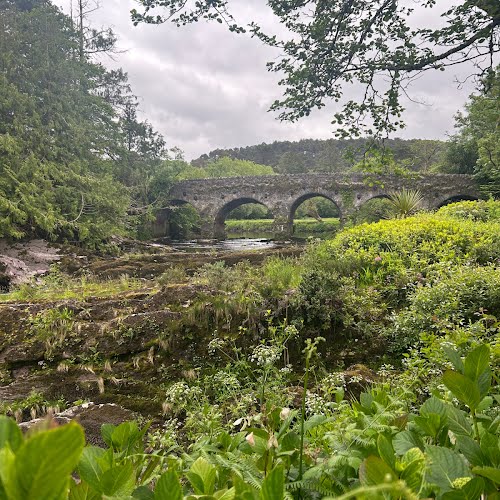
x=204, y=88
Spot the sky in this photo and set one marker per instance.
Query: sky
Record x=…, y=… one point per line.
x=205, y=88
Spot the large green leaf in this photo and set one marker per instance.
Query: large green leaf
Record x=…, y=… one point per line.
x=201, y=475
x=406, y=440
x=374, y=471
x=106, y=433
x=413, y=474
x=118, y=481
x=10, y=433
x=386, y=450
x=463, y=388
x=229, y=494
x=91, y=468
x=45, y=461
x=244, y=491
x=490, y=446
x=125, y=436
x=455, y=358
x=470, y=491
x=433, y=406
x=143, y=493
x=83, y=491
x=491, y=473
x=430, y=424
x=8, y=484
x=477, y=367
x=291, y=441
x=444, y=466
x=458, y=422
x=168, y=487
x=273, y=486
x=471, y=450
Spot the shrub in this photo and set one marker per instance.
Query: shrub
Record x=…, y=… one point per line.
x=462, y=299
x=279, y=275
x=395, y=254
x=478, y=211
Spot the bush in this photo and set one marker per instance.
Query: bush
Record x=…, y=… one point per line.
x=466, y=297
x=397, y=254
x=279, y=276
x=478, y=211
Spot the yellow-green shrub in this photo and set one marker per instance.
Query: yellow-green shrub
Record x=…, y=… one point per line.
x=480, y=210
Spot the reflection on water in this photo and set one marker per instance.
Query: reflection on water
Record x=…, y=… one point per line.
x=230, y=245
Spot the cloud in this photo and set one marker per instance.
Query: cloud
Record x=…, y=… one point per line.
x=204, y=88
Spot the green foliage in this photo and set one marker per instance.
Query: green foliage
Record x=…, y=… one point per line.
x=479, y=211
x=75, y=158
x=58, y=286
x=302, y=228
x=447, y=447
x=401, y=252
x=317, y=207
x=395, y=280
x=38, y=466
x=279, y=276
x=226, y=167
x=475, y=148
x=405, y=203
x=54, y=133
x=332, y=155
x=469, y=295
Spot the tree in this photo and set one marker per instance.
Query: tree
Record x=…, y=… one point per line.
x=475, y=149
x=336, y=43
x=226, y=167
x=292, y=162
x=72, y=152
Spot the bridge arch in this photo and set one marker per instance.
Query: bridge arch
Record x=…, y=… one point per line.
x=309, y=196
x=456, y=198
x=371, y=208
x=225, y=210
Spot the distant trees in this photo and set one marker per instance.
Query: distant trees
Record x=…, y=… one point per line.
x=331, y=155
x=226, y=167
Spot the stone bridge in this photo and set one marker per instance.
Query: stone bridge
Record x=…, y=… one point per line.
x=214, y=199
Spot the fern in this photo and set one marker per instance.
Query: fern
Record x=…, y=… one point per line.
x=242, y=466
x=311, y=486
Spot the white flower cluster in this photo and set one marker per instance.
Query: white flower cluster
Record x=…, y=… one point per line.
x=166, y=437
x=291, y=331
x=265, y=355
x=222, y=380
x=315, y=404
x=386, y=370
x=179, y=394
x=336, y=379
x=215, y=345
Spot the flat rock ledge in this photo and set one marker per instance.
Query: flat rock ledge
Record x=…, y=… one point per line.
x=90, y=416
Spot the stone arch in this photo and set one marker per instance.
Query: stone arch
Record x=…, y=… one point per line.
x=365, y=210
x=225, y=210
x=380, y=196
x=454, y=198
x=307, y=196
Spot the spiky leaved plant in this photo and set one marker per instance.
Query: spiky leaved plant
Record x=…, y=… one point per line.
x=404, y=203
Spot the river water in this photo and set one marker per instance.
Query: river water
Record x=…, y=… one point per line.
x=229, y=245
